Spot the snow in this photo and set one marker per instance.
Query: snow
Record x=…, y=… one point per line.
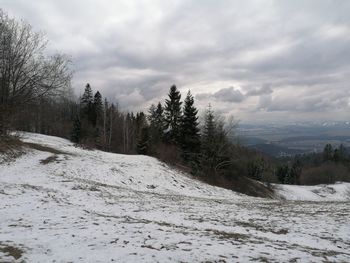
x=91, y=206
x=326, y=193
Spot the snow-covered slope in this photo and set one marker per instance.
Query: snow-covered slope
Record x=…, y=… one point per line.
x=59, y=203
x=330, y=193
x=134, y=172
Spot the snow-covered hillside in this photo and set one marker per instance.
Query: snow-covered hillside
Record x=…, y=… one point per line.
x=321, y=193
x=60, y=203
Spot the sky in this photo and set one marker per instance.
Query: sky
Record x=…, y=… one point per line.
x=260, y=61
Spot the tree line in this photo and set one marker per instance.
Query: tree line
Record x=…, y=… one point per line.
x=170, y=130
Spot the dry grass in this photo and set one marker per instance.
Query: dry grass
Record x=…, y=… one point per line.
x=241, y=184
x=10, y=148
x=50, y=159
x=42, y=148
x=12, y=251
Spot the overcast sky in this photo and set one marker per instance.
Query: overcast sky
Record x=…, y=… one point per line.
x=258, y=60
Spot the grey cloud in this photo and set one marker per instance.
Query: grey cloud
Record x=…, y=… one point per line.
x=306, y=103
x=139, y=48
x=229, y=94
x=225, y=95
x=259, y=91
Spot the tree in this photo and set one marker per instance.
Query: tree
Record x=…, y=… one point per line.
x=97, y=109
x=76, y=133
x=282, y=172
x=87, y=102
x=143, y=141
x=256, y=168
x=328, y=153
x=208, y=139
x=215, y=147
x=159, y=119
x=190, y=138
x=156, y=123
x=339, y=155
x=26, y=72
x=173, y=115
x=295, y=171
x=289, y=179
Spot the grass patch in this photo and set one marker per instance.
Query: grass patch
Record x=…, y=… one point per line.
x=43, y=148
x=12, y=251
x=10, y=148
x=227, y=235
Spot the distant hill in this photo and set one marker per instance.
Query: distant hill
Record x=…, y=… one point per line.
x=275, y=150
x=288, y=140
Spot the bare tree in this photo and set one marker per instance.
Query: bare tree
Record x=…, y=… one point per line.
x=26, y=72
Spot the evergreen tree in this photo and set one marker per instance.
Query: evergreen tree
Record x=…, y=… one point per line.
x=282, y=172
x=76, y=132
x=339, y=154
x=156, y=121
x=215, y=148
x=143, y=141
x=87, y=105
x=295, y=171
x=328, y=153
x=256, y=168
x=289, y=179
x=173, y=115
x=190, y=138
x=208, y=136
x=159, y=119
x=97, y=109
x=152, y=114
x=86, y=101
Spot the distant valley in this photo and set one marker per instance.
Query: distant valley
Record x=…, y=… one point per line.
x=291, y=139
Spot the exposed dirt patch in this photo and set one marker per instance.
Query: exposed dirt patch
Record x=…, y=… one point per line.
x=43, y=148
x=50, y=159
x=12, y=251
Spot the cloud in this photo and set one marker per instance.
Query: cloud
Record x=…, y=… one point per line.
x=289, y=57
x=259, y=91
x=225, y=95
x=229, y=94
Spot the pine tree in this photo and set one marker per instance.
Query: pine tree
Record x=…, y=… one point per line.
x=208, y=135
x=328, y=153
x=143, y=141
x=215, y=147
x=339, y=154
x=97, y=109
x=76, y=132
x=152, y=114
x=159, y=119
x=256, y=168
x=289, y=179
x=190, y=138
x=156, y=123
x=208, y=148
x=295, y=171
x=86, y=100
x=282, y=172
x=173, y=115
x=87, y=107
